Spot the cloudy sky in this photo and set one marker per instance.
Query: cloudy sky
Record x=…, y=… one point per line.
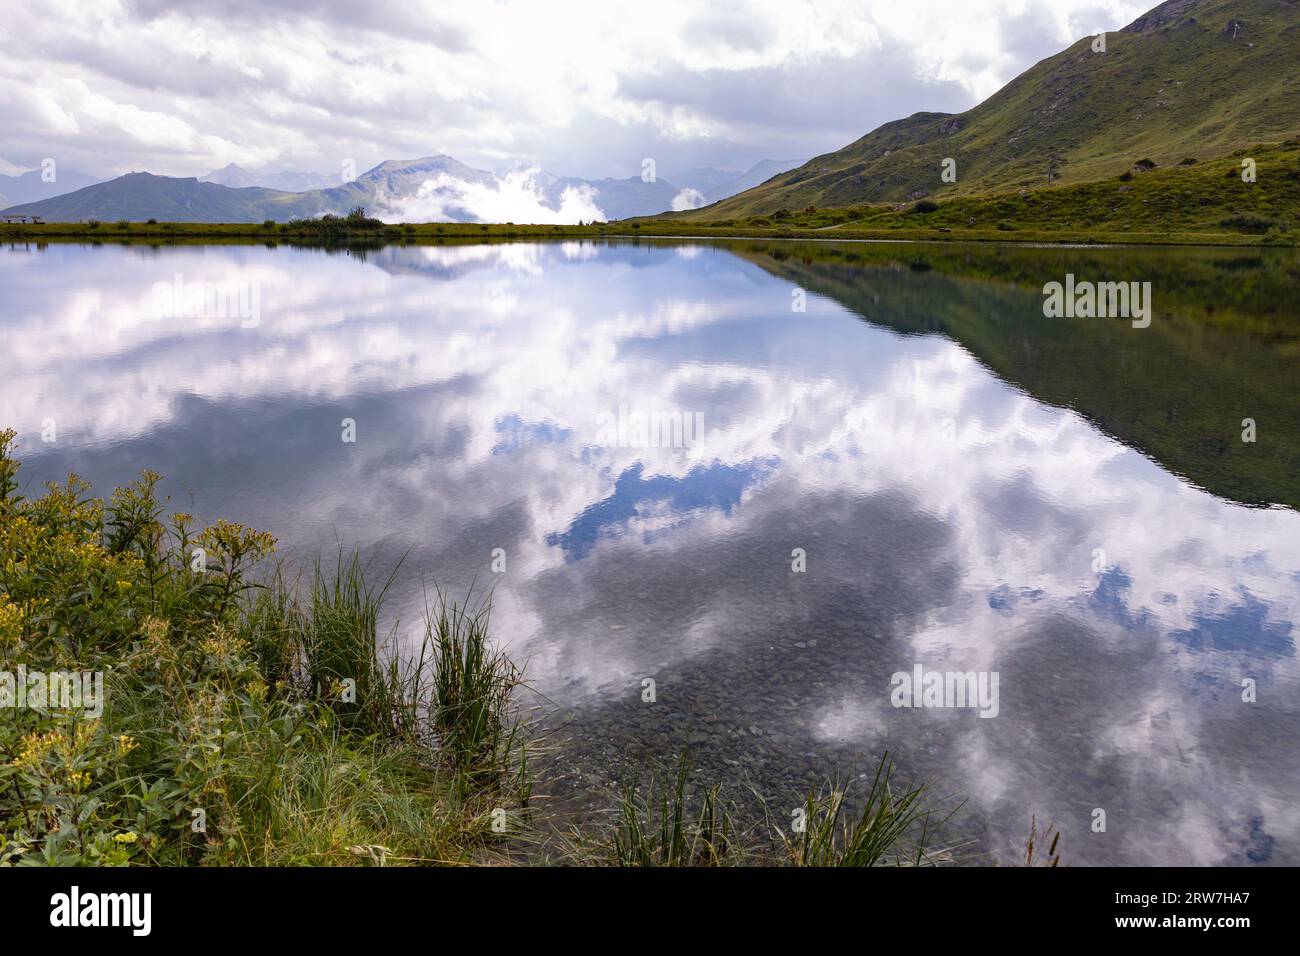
x=579, y=88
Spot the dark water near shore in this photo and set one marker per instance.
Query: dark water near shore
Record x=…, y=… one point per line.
x=974, y=487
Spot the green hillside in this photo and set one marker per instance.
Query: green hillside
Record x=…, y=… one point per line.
x=1191, y=79
x=1206, y=202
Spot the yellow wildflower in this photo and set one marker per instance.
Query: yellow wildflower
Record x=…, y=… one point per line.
x=35, y=748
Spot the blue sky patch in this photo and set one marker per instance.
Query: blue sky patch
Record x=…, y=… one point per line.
x=715, y=487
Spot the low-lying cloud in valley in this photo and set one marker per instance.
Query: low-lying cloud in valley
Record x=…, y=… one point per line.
x=688, y=198
x=517, y=197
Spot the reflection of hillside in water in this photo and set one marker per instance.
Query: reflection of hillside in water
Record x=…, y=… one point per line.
x=1223, y=346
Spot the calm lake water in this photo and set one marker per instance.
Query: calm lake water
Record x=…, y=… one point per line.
x=972, y=487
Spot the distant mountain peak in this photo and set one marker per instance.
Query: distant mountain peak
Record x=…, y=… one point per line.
x=238, y=177
x=421, y=162
x=30, y=186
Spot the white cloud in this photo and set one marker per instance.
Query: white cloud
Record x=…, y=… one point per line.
x=688, y=198
x=579, y=88
x=514, y=197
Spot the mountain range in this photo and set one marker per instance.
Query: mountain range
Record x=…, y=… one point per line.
x=31, y=186
x=433, y=188
x=290, y=181
x=1189, y=80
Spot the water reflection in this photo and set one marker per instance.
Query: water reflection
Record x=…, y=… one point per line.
x=947, y=517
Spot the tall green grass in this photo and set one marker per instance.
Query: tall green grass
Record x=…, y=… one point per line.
x=661, y=828
x=472, y=685
x=341, y=651
x=892, y=828
x=667, y=824
x=451, y=693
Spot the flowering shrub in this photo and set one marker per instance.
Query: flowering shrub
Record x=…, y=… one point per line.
x=212, y=744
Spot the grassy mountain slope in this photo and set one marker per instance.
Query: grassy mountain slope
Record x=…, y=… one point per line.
x=1206, y=201
x=1192, y=78
x=756, y=175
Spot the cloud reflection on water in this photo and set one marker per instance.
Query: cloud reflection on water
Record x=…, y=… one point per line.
x=947, y=517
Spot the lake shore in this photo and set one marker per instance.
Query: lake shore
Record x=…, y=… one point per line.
x=183, y=700
x=244, y=233
x=947, y=454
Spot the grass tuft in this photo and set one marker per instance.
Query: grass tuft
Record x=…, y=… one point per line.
x=660, y=828
x=892, y=828
x=472, y=687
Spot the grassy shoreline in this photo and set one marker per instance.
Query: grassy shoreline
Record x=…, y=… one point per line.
x=434, y=233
